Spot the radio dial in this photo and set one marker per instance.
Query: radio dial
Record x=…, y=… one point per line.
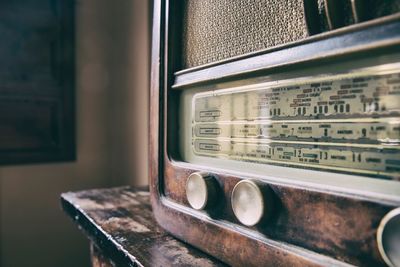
x=388, y=237
x=249, y=203
x=201, y=190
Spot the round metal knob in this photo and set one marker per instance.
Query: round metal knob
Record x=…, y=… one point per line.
x=201, y=190
x=248, y=202
x=388, y=238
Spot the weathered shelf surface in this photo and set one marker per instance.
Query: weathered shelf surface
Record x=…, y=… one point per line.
x=120, y=223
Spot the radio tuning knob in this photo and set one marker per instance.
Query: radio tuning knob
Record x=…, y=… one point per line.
x=251, y=203
x=388, y=238
x=201, y=190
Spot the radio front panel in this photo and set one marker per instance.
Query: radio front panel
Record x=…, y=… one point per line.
x=341, y=122
x=337, y=129
x=284, y=157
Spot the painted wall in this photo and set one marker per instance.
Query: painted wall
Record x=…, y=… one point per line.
x=112, y=45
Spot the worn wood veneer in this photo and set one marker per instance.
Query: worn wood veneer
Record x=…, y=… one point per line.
x=120, y=224
x=307, y=218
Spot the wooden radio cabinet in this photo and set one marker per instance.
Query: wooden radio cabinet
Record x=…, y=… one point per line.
x=285, y=153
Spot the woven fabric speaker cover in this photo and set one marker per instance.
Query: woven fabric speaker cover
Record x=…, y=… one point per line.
x=214, y=30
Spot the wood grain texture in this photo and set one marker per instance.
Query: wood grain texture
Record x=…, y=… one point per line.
x=120, y=222
x=331, y=224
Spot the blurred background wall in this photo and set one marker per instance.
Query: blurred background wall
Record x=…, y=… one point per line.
x=112, y=78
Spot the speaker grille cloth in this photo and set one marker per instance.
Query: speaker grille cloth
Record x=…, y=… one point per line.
x=214, y=30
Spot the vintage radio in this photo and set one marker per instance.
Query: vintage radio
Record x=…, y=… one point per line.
x=275, y=129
